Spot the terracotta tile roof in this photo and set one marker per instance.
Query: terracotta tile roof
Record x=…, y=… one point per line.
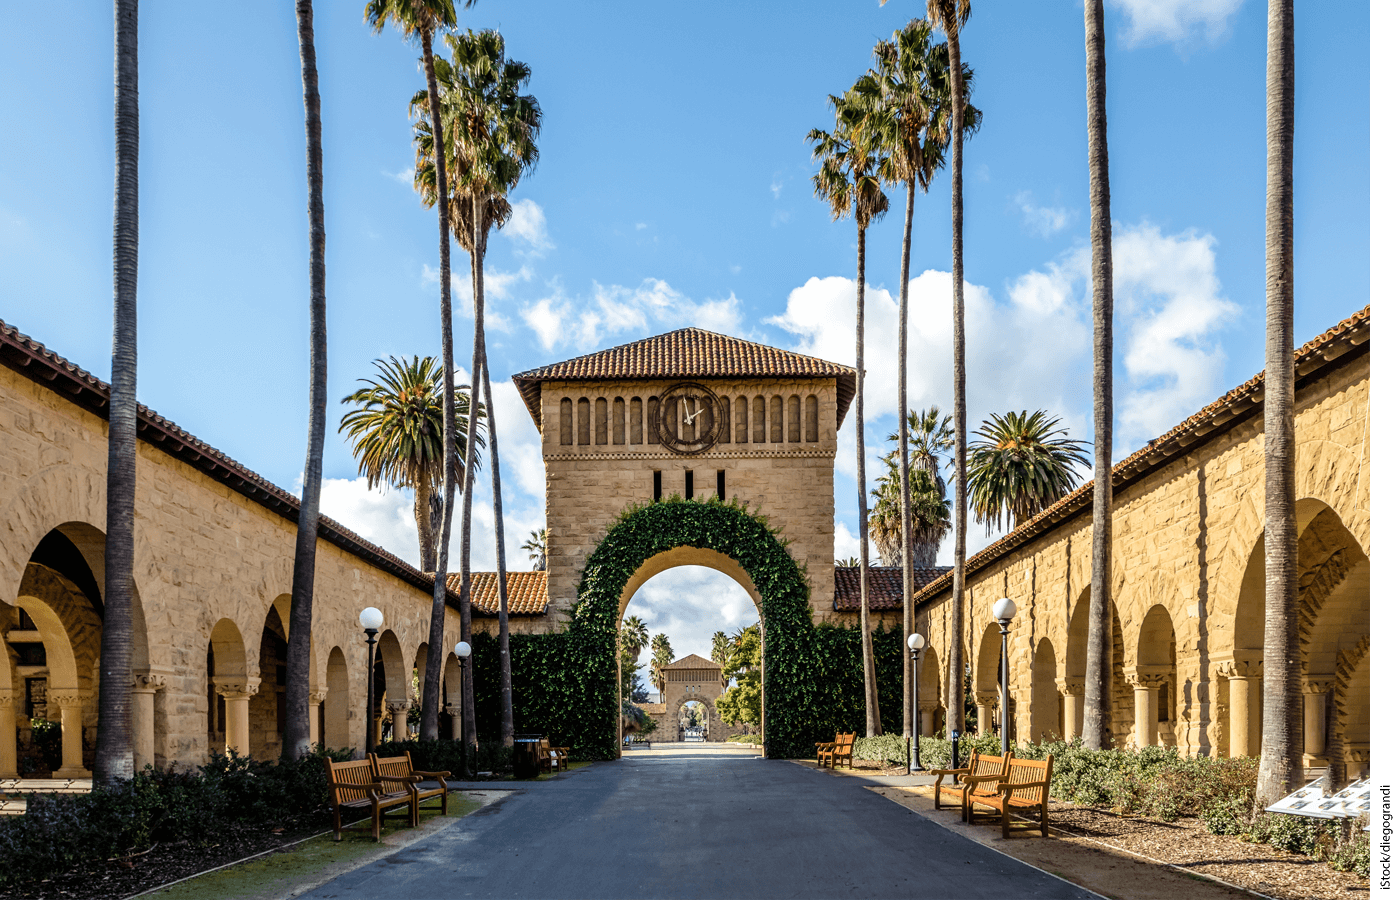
x=885, y=586
x=80, y=387
x=692, y=662
x=526, y=592
x=688, y=353
x=1348, y=338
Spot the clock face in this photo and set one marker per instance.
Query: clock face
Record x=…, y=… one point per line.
x=691, y=418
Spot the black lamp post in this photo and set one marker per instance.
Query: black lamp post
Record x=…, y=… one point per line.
x=370, y=620
x=1004, y=610
x=916, y=643
x=464, y=658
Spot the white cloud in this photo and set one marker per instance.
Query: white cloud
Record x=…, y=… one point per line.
x=462, y=290
x=383, y=517
x=403, y=176
x=776, y=186
x=526, y=228
x=500, y=285
x=1167, y=287
x=614, y=312
x=1041, y=220
x=1176, y=21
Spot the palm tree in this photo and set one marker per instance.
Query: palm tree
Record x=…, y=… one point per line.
x=113, y=759
x=720, y=648
x=1096, y=670
x=396, y=427
x=661, y=656
x=930, y=439
x=908, y=95
x=633, y=636
x=950, y=16
x=847, y=562
x=1020, y=465
x=493, y=129
x=296, y=738
x=1280, y=760
x=850, y=179
x=538, y=547
x=423, y=19
x=929, y=516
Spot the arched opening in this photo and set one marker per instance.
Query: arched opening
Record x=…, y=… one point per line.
x=1154, y=681
x=267, y=709
x=986, y=679
x=336, y=710
x=229, y=689
x=1046, y=714
x=391, y=686
x=1120, y=695
x=930, y=720
x=692, y=597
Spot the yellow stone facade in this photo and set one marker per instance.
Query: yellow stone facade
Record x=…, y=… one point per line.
x=1187, y=585
x=213, y=572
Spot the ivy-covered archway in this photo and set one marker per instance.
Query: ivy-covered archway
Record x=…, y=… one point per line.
x=807, y=669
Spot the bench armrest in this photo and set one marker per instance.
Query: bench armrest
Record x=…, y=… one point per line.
x=432, y=774
x=978, y=779
x=940, y=772
x=369, y=788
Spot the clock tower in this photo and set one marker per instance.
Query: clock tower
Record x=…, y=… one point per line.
x=694, y=414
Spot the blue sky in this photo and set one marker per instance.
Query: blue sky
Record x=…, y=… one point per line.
x=673, y=189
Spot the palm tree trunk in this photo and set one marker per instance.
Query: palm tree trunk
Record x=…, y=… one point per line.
x=432, y=679
x=114, y=751
x=1280, y=758
x=296, y=738
x=503, y=616
x=423, y=519
x=955, y=663
x=1097, y=712
x=469, y=734
x=867, y=643
x=906, y=526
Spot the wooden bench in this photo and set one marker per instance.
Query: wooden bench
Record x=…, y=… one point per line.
x=833, y=752
x=423, y=785
x=1025, y=787
x=979, y=766
x=353, y=785
x=555, y=758
x=987, y=771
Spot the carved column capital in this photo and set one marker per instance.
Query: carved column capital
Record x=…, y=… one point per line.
x=1071, y=686
x=986, y=698
x=66, y=699
x=1240, y=668
x=1318, y=684
x=1144, y=678
x=453, y=709
x=237, y=688
x=147, y=682
x=316, y=697
x=398, y=706
x=7, y=701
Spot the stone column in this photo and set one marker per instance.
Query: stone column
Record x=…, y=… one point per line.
x=1357, y=755
x=1146, y=686
x=456, y=713
x=399, y=709
x=143, y=718
x=1315, y=692
x=70, y=712
x=313, y=711
x=9, y=755
x=986, y=718
x=1072, y=695
x=236, y=693
x=1245, y=703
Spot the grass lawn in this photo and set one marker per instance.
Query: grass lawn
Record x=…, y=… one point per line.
x=314, y=861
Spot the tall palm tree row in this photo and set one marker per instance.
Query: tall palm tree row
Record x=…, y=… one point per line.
x=114, y=759
x=1021, y=464
x=850, y=178
x=296, y=739
x=907, y=95
x=1096, y=671
x=1280, y=759
x=493, y=130
x=950, y=16
x=423, y=19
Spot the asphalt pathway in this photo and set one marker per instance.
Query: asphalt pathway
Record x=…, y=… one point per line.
x=696, y=822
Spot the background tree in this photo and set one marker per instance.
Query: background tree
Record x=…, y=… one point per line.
x=1280, y=759
x=743, y=703
x=632, y=637
x=661, y=656
x=296, y=738
x=492, y=129
x=1021, y=463
x=850, y=178
x=931, y=442
x=950, y=16
x=422, y=19
x=537, y=545
x=928, y=515
x=113, y=758
x=720, y=648
x=1096, y=667
x=396, y=430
